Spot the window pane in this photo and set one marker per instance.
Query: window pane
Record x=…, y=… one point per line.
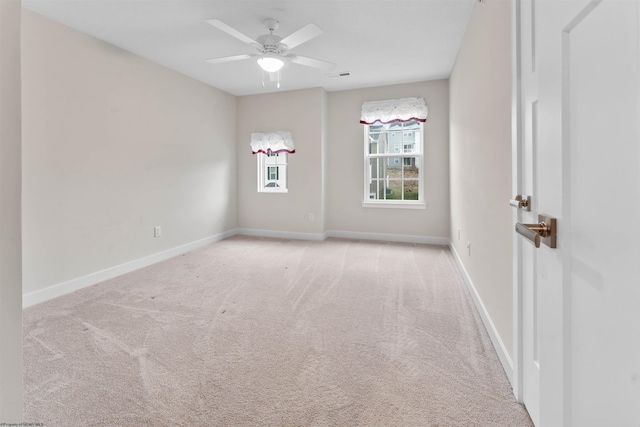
x=275, y=159
x=374, y=192
x=394, y=167
x=272, y=173
x=409, y=144
x=377, y=142
x=411, y=140
x=395, y=141
x=376, y=128
x=375, y=168
x=396, y=127
x=411, y=190
x=394, y=189
x=412, y=125
x=409, y=166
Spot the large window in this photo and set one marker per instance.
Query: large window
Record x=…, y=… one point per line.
x=272, y=172
x=393, y=164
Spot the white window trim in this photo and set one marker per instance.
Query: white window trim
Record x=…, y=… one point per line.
x=395, y=204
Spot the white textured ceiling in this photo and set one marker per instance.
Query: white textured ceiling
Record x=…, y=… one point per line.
x=379, y=42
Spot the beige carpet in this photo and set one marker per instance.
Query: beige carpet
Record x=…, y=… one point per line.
x=269, y=332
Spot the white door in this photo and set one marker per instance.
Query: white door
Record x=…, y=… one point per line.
x=525, y=183
x=577, y=155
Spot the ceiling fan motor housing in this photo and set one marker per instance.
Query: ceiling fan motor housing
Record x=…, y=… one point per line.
x=271, y=44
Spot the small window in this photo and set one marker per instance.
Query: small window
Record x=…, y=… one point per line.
x=272, y=172
x=393, y=177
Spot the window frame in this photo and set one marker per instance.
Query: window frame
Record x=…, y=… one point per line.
x=418, y=154
x=264, y=173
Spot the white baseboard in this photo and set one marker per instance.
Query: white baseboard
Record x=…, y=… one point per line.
x=281, y=234
x=403, y=238
x=345, y=235
x=64, y=288
x=503, y=354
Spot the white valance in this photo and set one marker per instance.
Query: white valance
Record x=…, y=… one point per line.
x=394, y=110
x=276, y=142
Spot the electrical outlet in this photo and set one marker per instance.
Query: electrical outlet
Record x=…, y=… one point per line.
x=311, y=217
x=469, y=247
x=157, y=231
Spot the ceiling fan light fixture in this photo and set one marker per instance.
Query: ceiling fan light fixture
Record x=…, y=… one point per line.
x=270, y=63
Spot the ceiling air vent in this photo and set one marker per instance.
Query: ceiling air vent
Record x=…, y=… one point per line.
x=340, y=74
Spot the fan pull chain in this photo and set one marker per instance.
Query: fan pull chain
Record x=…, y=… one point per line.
x=278, y=79
x=262, y=72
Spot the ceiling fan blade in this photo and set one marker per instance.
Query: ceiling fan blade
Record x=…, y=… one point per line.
x=311, y=62
x=232, y=32
x=303, y=35
x=228, y=59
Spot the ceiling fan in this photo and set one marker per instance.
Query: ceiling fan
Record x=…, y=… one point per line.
x=273, y=50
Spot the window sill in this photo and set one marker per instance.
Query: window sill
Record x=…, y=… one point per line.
x=274, y=191
x=394, y=205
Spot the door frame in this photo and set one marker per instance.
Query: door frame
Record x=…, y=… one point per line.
x=516, y=182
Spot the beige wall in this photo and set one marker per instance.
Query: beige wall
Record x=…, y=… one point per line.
x=10, y=229
x=345, y=178
x=302, y=113
x=326, y=172
x=481, y=160
x=114, y=145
